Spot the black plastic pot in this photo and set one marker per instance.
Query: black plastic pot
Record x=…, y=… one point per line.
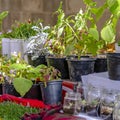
x=33, y=93
x=1, y=92
x=52, y=93
x=100, y=65
x=113, y=62
x=9, y=89
x=40, y=60
x=80, y=67
x=60, y=64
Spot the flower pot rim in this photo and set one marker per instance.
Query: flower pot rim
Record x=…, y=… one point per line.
x=54, y=57
x=59, y=80
x=116, y=55
x=81, y=59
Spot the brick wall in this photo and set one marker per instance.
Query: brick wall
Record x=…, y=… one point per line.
x=23, y=10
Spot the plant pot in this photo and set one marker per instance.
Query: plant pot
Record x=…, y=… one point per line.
x=1, y=91
x=9, y=89
x=40, y=60
x=113, y=62
x=52, y=93
x=33, y=93
x=100, y=65
x=80, y=67
x=60, y=64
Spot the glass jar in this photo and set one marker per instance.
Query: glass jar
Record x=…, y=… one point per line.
x=116, y=111
x=107, y=103
x=93, y=100
x=72, y=103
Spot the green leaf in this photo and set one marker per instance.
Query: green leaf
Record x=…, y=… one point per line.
x=88, y=1
x=22, y=85
x=94, y=33
x=99, y=11
x=17, y=66
x=114, y=6
x=3, y=15
x=107, y=34
x=69, y=48
x=60, y=31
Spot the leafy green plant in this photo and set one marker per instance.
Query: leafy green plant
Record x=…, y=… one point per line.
x=94, y=40
x=16, y=71
x=22, y=30
x=47, y=73
x=84, y=38
x=22, y=75
x=74, y=34
x=13, y=111
x=56, y=42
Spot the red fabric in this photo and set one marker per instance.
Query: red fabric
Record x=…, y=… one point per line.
x=23, y=101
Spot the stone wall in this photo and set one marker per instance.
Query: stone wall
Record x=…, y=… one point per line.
x=22, y=10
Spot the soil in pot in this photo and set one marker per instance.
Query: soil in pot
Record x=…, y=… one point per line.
x=60, y=64
x=80, y=67
x=113, y=62
x=52, y=93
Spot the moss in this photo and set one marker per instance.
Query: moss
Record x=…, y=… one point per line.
x=13, y=111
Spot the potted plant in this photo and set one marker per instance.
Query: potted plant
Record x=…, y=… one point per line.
x=87, y=39
x=84, y=41
x=57, y=44
x=19, y=76
x=112, y=58
x=35, y=49
x=14, y=39
x=50, y=84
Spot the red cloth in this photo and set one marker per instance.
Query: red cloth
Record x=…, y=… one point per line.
x=23, y=101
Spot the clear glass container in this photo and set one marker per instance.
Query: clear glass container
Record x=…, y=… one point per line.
x=116, y=110
x=93, y=100
x=72, y=103
x=107, y=103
